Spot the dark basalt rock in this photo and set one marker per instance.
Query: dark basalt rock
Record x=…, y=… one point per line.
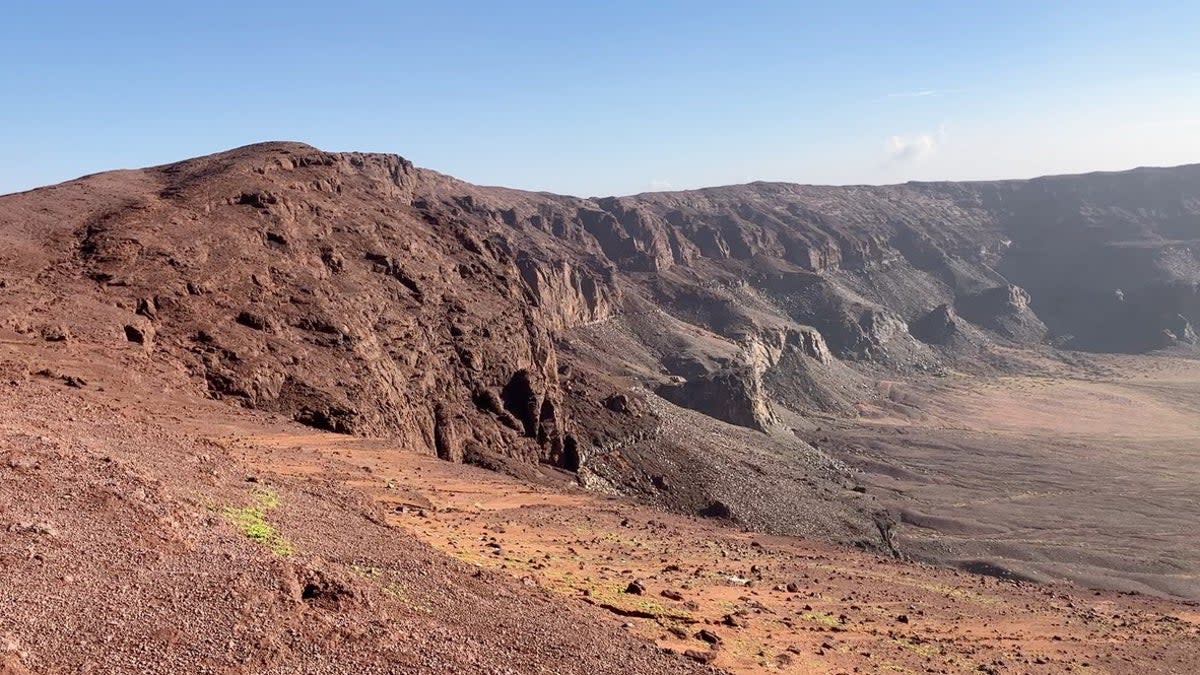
x=937, y=327
x=735, y=396
x=1005, y=310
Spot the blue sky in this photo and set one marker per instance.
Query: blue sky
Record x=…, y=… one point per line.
x=608, y=98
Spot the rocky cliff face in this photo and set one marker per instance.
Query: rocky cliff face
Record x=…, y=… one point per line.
x=357, y=293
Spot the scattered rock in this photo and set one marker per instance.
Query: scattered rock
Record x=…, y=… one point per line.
x=141, y=336
x=147, y=307
x=36, y=528
x=618, y=403
x=253, y=320
x=55, y=333
x=74, y=381
x=733, y=621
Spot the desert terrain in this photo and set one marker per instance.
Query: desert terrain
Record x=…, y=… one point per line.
x=1081, y=473
x=197, y=538
x=278, y=410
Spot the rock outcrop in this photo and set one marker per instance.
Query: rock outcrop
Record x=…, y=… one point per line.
x=733, y=395
x=938, y=327
x=1005, y=310
x=360, y=294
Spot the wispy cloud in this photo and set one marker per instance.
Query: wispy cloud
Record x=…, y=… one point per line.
x=921, y=93
x=914, y=94
x=915, y=147
x=661, y=184
x=1185, y=122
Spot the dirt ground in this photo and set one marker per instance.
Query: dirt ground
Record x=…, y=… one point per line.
x=756, y=603
x=133, y=540
x=420, y=565
x=1090, y=476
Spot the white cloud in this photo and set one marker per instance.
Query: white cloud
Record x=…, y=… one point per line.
x=660, y=184
x=916, y=147
x=914, y=94
x=922, y=93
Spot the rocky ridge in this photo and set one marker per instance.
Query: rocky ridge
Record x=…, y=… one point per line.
x=360, y=294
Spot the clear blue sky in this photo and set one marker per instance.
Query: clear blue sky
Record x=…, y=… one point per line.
x=608, y=98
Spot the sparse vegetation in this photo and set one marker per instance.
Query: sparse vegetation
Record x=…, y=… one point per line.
x=252, y=522
x=383, y=578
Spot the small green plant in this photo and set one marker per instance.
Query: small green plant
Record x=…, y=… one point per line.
x=252, y=522
x=367, y=571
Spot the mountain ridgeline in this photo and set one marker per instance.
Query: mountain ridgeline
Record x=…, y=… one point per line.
x=664, y=344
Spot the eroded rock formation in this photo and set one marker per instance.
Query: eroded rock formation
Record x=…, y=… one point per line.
x=360, y=294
